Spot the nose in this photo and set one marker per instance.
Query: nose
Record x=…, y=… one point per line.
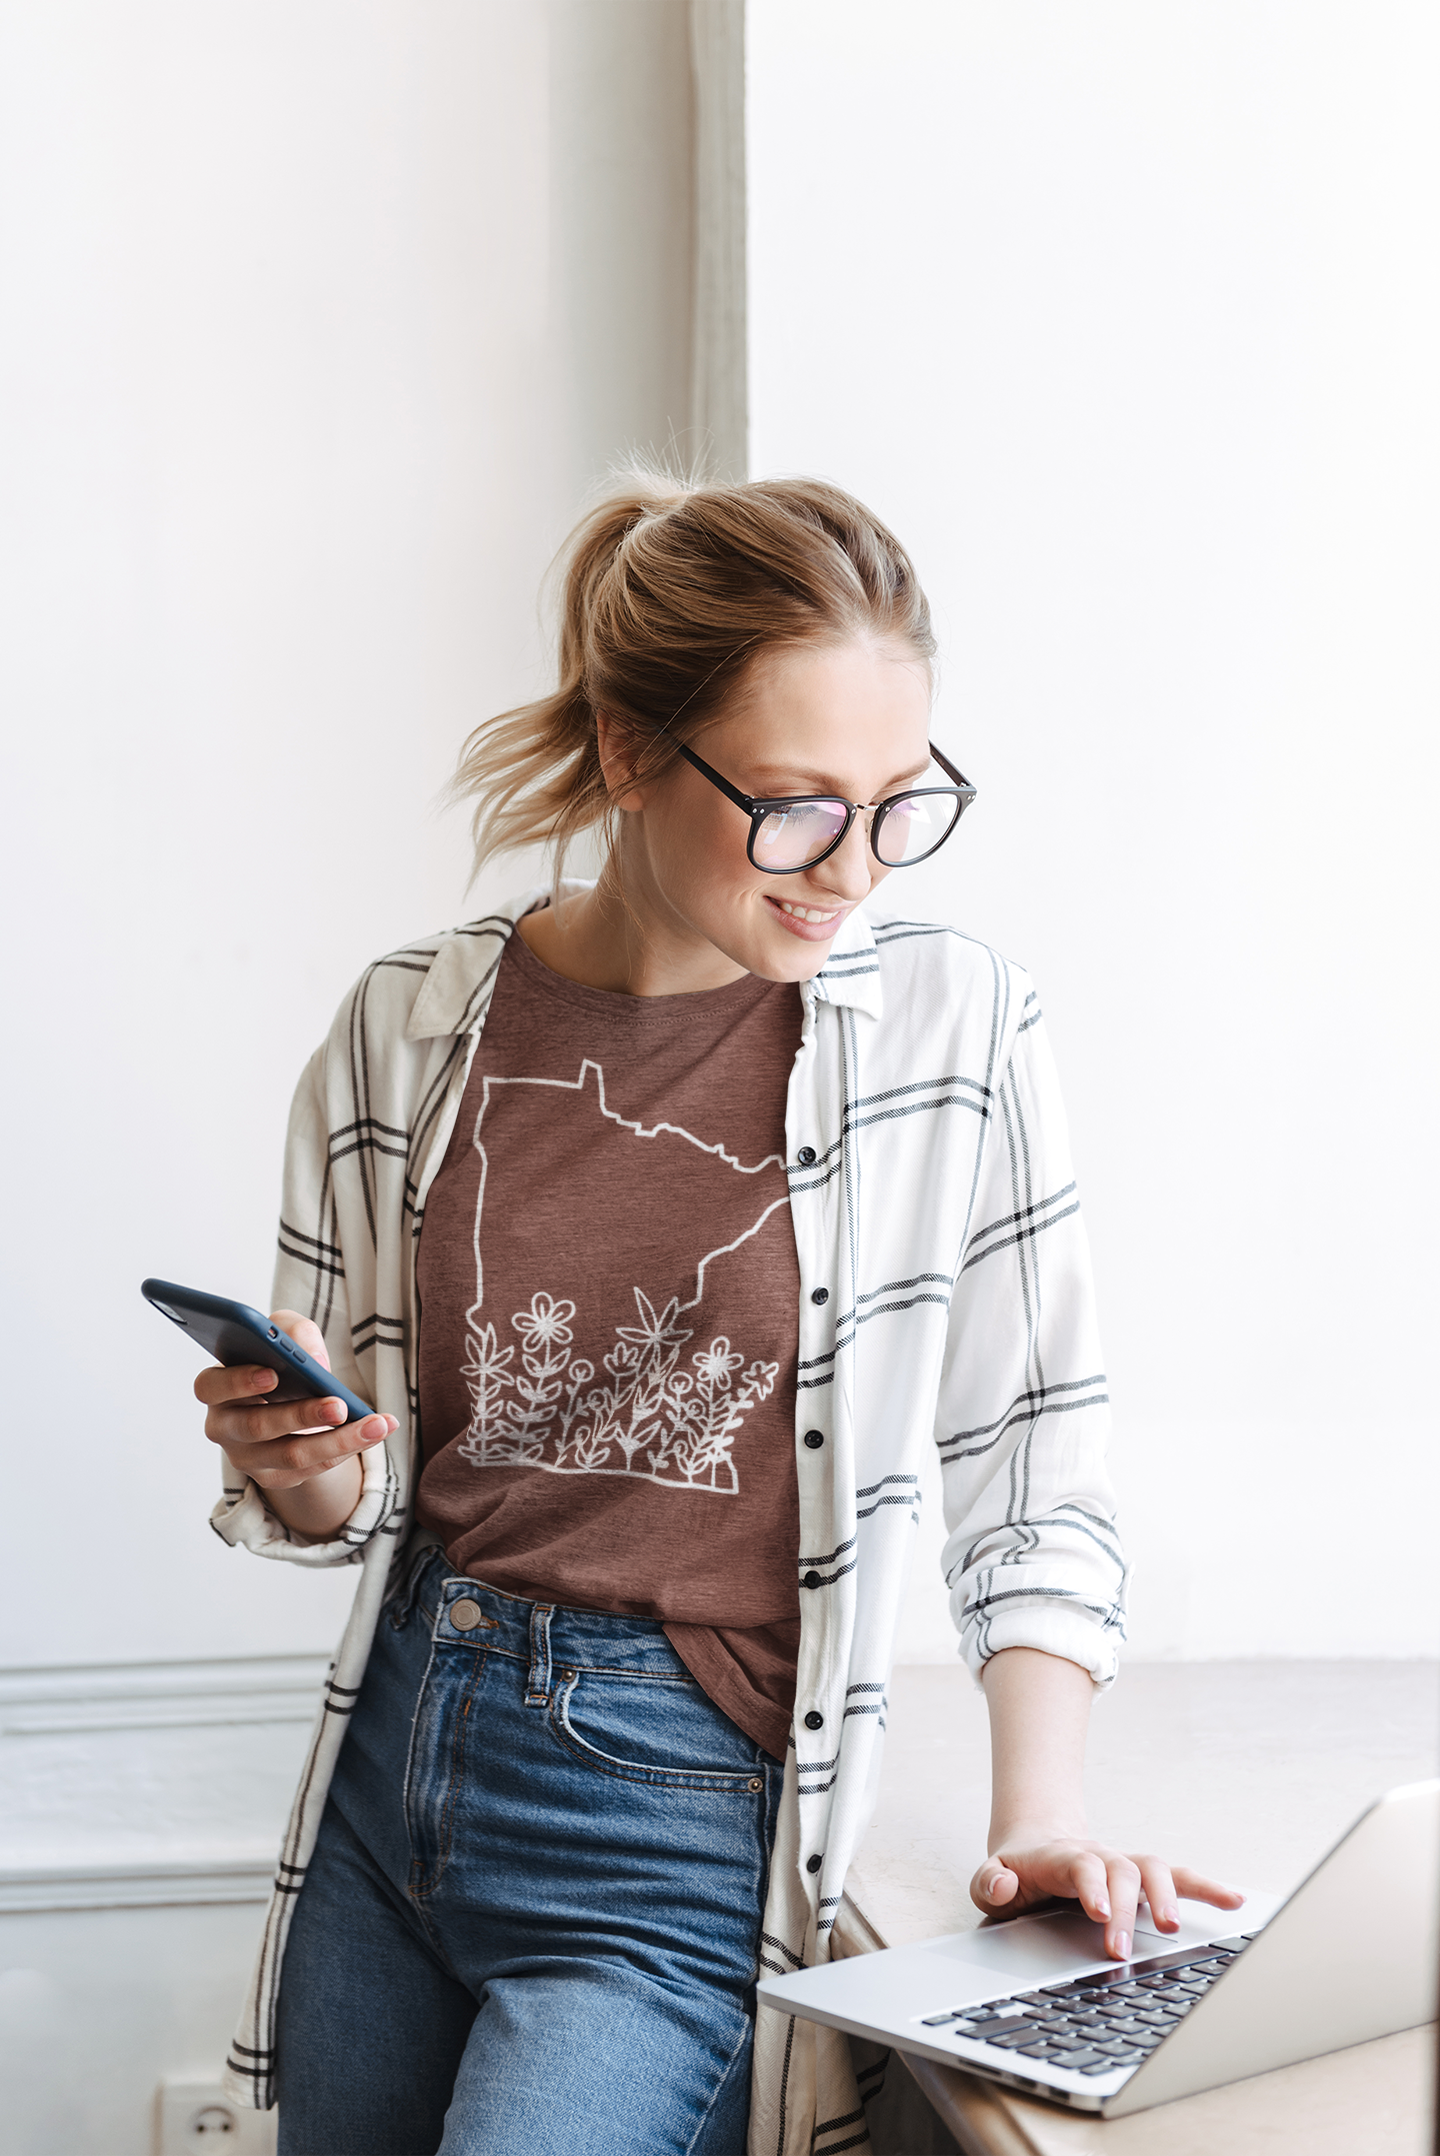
x=849, y=871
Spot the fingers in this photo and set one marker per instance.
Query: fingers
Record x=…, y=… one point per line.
x=252, y=1422
x=281, y=1463
x=1107, y=1886
x=1195, y=1887
x=216, y=1384
x=1158, y=1886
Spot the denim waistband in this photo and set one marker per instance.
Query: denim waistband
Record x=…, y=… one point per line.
x=548, y=1637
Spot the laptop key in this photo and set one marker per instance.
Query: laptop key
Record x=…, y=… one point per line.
x=935, y=2021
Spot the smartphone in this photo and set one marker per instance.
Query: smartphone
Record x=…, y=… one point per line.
x=237, y=1335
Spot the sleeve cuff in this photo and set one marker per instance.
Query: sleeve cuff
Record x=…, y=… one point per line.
x=1063, y=1620
x=243, y=1519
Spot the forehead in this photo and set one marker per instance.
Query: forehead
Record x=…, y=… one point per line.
x=868, y=675
x=852, y=717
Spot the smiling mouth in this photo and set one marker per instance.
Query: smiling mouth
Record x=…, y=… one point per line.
x=810, y=913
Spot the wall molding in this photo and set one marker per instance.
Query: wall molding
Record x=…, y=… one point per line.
x=213, y=1694
x=128, y=1882
x=134, y=1785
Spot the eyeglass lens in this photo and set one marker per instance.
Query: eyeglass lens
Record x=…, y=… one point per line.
x=911, y=827
x=914, y=826
x=789, y=837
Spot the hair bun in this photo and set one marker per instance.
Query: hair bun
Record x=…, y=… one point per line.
x=670, y=588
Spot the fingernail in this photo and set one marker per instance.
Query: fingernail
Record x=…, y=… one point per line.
x=264, y=1379
x=1103, y=1907
x=1169, y=1914
x=1122, y=1946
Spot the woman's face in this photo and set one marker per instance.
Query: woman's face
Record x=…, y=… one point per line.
x=851, y=720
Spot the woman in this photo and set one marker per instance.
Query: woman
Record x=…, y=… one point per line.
x=666, y=1221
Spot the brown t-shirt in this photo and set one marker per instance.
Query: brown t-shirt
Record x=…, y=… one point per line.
x=609, y=1295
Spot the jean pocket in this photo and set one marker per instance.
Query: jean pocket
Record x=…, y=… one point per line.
x=661, y=1730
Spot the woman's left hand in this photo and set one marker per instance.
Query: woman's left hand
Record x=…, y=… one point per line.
x=1032, y=1866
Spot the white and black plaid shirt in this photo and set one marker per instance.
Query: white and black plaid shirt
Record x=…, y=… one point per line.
x=934, y=1205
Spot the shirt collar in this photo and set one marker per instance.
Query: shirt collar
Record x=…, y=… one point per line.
x=456, y=990
x=850, y=976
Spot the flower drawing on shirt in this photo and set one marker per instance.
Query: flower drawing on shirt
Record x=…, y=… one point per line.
x=643, y=1415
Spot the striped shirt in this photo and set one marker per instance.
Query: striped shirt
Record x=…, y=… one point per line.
x=945, y=1298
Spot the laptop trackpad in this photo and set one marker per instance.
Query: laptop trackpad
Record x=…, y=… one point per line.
x=1034, y=1950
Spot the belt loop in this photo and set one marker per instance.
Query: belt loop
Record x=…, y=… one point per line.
x=537, y=1688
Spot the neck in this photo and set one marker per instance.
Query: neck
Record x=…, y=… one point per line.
x=621, y=936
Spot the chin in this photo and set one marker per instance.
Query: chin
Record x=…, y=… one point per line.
x=778, y=955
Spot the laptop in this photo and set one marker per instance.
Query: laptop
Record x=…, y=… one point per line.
x=1034, y=2003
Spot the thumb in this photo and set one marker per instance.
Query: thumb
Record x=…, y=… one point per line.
x=994, y=1885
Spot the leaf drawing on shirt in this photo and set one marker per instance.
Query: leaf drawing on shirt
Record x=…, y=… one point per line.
x=647, y=1416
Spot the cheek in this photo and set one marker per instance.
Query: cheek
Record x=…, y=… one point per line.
x=705, y=855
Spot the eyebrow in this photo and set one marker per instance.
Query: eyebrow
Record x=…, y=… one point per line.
x=816, y=782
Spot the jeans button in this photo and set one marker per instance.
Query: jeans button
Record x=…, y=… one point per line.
x=465, y=1614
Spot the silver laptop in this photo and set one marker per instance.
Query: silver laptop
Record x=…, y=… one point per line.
x=1351, y=1954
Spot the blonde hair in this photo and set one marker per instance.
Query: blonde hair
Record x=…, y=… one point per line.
x=670, y=592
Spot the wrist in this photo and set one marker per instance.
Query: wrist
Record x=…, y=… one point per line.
x=318, y=1507
x=1035, y=1832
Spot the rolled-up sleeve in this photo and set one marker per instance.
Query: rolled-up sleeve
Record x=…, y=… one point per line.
x=310, y=1278
x=1032, y=1557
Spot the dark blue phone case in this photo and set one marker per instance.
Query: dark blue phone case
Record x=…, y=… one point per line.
x=235, y=1335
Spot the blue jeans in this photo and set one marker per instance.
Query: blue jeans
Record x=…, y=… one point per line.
x=531, y=1922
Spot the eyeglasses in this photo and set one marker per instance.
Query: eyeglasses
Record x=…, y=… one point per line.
x=797, y=831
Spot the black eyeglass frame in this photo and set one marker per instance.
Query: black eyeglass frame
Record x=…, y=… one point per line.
x=758, y=809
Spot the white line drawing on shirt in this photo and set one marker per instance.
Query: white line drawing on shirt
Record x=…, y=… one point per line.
x=643, y=1414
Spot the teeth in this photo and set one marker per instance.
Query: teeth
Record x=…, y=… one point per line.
x=807, y=913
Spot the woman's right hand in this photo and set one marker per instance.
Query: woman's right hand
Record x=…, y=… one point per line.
x=303, y=1455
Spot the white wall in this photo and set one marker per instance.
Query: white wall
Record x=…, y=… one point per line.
x=1126, y=318
x=316, y=319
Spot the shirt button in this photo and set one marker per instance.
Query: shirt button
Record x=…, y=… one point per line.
x=465, y=1614
x=813, y=1864
x=814, y=1439
x=811, y=1579
x=806, y=1156
x=814, y=1720
x=819, y=1295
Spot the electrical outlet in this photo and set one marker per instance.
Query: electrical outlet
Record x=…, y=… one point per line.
x=197, y=2118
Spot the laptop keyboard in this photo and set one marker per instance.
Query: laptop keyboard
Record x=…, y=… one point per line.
x=1095, y=2024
